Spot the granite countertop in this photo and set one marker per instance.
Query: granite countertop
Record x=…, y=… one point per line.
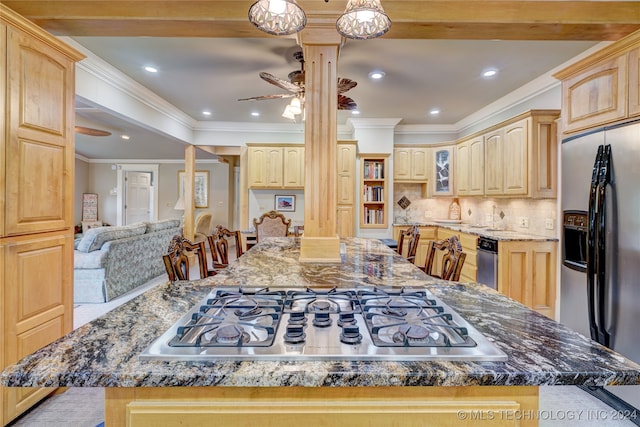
x=483, y=231
x=104, y=352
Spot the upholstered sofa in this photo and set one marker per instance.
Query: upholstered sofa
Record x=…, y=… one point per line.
x=111, y=261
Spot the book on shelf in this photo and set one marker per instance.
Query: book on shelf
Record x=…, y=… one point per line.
x=373, y=170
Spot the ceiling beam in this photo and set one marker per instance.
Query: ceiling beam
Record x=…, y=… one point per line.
x=418, y=19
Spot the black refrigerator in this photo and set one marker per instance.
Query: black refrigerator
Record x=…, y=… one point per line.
x=600, y=275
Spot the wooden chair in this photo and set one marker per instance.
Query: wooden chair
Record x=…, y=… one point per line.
x=219, y=245
x=298, y=230
x=176, y=261
x=410, y=236
x=271, y=224
x=452, y=259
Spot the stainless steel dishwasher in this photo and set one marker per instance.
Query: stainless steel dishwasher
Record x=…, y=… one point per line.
x=488, y=262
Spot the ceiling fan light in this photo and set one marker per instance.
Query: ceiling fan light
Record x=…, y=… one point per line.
x=288, y=114
x=277, y=17
x=363, y=19
x=295, y=106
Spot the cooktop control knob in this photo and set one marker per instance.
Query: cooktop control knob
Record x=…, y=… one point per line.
x=295, y=334
x=297, y=318
x=346, y=318
x=321, y=319
x=351, y=335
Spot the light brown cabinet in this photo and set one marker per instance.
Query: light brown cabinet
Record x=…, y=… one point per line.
x=275, y=166
x=410, y=164
x=346, y=198
x=469, y=242
x=603, y=87
x=470, y=167
x=37, y=76
x=527, y=273
x=426, y=235
x=520, y=156
x=373, y=190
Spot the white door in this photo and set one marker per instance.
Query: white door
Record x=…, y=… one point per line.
x=137, y=188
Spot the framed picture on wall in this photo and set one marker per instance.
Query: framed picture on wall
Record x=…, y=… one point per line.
x=200, y=188
x=285, y=203
x=442, y=185
x=89, y=207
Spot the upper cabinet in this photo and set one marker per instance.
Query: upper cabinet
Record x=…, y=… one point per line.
x=470, y=167
x=517, y=157
x=410, y=164
x=273, y=166
x=603, y=87
x=441, y=170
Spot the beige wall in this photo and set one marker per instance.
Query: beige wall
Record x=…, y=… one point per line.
x=101, y=178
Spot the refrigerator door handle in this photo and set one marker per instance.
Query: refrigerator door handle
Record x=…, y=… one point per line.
x=591, y=245
x=601, y=239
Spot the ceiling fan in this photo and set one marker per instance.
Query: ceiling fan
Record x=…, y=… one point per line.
x=295, y=86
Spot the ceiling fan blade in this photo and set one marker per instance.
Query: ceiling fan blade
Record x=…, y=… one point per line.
x=91, y=132
x=276, y=96
x=270, y=78
x=345, y=84
x=346, y=103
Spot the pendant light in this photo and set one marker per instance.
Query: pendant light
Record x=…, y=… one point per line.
x=277, y=17
x=363, y=19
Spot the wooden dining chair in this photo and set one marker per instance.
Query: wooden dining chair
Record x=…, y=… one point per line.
x=219, y=245
x=176, y=260
x=298, y=230
x=271, y=224
x=410, y=237
x=452, y=259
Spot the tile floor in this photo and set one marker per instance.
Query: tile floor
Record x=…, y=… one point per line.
x=560, y=406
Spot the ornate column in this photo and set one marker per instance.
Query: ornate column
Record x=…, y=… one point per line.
x=321, y=46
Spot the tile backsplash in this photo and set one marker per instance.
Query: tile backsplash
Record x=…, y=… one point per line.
x=509, y=214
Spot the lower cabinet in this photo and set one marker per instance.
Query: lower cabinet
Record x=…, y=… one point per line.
x=469, y=243
x=527, y=273
x=426, y=235
x=475, y=406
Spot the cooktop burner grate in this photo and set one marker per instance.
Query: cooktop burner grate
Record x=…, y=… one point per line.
x=364, y=323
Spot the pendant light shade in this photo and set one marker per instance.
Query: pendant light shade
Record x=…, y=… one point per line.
x=277, y=17
x=363, y=19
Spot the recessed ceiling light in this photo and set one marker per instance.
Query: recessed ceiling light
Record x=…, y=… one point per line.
x=376, y=75
x=255, y=114
x=206, y=113
x=151, y=69
x=489, y=73
x=434, y=111
x=125, y=137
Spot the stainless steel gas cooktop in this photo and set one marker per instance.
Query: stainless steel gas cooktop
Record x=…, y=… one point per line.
x=322, y=324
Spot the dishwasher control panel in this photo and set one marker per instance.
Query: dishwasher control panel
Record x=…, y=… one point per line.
x=489, y=245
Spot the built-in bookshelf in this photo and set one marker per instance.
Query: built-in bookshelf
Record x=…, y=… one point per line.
x=373, y=190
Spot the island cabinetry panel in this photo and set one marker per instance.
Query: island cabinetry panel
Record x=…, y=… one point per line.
x=470, y=167
x=317, y=406
x=373, y=190
x=527, y=273
x=37, y=78
x=277, y=166
x=427, y=234
x=469, y=242
x=346, y=185
x=410, y=164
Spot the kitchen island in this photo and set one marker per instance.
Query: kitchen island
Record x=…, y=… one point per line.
x=104, y=353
